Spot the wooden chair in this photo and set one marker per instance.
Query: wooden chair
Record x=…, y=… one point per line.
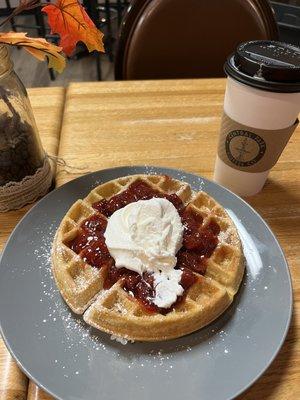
x=162, y=39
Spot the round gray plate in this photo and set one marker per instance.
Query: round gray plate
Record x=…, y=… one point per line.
x=72, y=361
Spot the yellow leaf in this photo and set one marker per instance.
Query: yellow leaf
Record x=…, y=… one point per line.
x=38, y=47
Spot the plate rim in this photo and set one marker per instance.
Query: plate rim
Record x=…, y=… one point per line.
x=152, y=170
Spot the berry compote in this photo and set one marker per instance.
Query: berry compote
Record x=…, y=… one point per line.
x=199, y=242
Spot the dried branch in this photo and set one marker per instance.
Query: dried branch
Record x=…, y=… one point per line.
x=24, y=5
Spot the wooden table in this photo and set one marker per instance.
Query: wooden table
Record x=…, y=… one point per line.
x=176, y=124
x=48, y=109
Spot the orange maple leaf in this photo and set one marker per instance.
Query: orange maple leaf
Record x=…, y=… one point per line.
x=38, y=47
x=69, y=19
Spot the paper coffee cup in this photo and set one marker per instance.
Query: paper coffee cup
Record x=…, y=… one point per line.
x=261, y=106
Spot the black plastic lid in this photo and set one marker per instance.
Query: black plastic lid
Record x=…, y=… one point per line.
x=267, y=65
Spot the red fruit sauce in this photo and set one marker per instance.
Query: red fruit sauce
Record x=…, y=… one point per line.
x=199, y=242
x=138, y=190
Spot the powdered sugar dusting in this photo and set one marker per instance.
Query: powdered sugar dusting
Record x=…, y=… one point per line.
x=80, y=351
x=81, y=280
x=223, y=236
x=82, y=345
x=79, y=338
x=78, y=335
x=121, y=340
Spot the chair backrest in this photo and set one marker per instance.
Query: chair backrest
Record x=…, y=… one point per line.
x=162, y=39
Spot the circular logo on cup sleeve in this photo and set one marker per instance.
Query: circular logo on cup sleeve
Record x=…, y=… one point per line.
x=244, y=148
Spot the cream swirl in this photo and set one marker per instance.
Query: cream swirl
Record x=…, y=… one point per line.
x=145, y=236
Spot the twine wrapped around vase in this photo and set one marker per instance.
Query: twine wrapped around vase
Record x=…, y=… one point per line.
x=15, y=195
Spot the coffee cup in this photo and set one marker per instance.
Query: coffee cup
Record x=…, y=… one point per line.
x=261, y=106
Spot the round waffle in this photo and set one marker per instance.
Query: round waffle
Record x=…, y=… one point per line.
x=114, y=310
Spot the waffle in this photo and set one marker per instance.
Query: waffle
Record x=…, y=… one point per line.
x=113, y=310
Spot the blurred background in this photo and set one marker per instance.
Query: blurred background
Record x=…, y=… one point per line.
x=143, y=26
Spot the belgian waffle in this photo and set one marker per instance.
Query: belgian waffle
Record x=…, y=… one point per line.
x=113, y=310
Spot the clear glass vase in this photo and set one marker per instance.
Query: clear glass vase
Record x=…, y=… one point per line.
x=21, y=151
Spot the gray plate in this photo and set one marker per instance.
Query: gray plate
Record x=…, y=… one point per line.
x=71, y=361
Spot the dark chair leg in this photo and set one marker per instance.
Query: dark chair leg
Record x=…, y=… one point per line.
x=12, y=21
x=42, y=33
x=98, y=66
x=119, y=11
x=109, y=38
x=92, y=9
x=52, y=74
x=40, y=23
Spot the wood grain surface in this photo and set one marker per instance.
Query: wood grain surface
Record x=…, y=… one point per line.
x=48, y=108
x=176, y=124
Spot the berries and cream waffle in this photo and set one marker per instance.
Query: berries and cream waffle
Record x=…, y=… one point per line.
x=144, y=257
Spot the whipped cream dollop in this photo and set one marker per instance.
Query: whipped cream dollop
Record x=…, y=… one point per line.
x=145, y=236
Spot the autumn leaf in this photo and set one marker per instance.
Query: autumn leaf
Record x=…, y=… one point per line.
x=69, y=19
x=39, y=48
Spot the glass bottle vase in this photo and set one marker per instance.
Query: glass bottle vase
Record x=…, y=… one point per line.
x=25, y=172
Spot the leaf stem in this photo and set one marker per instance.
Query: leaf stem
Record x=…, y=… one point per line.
x=24, y=5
